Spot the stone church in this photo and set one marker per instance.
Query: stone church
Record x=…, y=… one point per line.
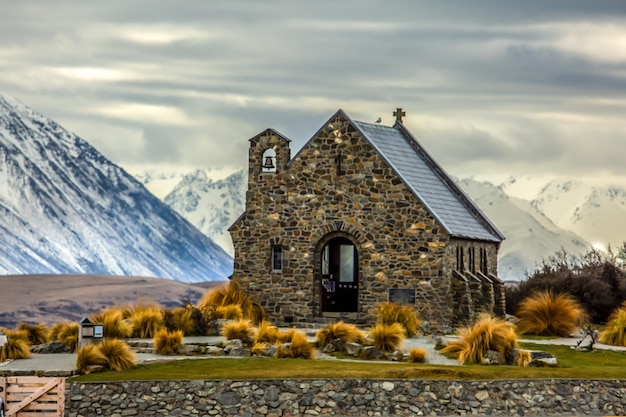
x=361, y=215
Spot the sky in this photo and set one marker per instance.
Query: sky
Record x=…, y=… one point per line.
x=490, y=88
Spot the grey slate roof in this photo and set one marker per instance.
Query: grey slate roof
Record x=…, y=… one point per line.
x=429, y=182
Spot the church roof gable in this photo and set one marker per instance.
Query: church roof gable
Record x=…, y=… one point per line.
x=429, y=182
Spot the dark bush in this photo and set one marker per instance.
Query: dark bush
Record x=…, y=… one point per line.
x=596, y=279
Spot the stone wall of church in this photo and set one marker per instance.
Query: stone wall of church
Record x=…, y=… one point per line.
x=338, y=184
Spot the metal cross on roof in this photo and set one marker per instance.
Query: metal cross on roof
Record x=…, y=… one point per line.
x=399, y=114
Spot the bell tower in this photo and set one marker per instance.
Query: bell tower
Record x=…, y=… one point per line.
x=268, y=155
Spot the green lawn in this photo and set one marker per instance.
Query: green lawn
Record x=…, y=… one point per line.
x=599, y=364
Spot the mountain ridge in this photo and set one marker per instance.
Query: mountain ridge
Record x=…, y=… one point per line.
x=68, y=209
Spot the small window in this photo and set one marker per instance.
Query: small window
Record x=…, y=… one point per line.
x=277, y=258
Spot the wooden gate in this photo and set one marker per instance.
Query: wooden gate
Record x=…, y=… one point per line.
x=33, y=396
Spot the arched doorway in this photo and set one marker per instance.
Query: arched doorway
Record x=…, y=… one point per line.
x=340, y=276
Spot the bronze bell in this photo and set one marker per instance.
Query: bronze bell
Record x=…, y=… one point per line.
x=269, y=163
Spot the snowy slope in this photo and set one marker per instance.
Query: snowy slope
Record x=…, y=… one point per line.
x=596, y=212
x=530, y=236
x=67, y=209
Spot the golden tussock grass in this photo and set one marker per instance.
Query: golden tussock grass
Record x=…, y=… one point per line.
x=614, y=332
x=179, y=318
x=229, y=312
x=113, y=322
x=90, y=359
x=406, y=315
x=298, y=348
x=37, y=334
x=259, y=348
x=548, y=314
x=66, y=333
x=146, y=320
x=487, y=333
x=168, y=342
x=14, y=348
x=241, y=329
x=233, y=293
x=348, y=333
x=267, y=333
x=117, y=353
x=387, y=337
x=417, y=355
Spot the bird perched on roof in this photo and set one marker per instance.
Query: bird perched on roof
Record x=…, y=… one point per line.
x=378, y=120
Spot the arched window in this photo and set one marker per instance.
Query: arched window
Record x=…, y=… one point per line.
x=268, y=161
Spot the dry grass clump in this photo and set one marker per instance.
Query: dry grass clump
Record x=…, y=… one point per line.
x=417, y=355
x=259, y=348
x=36, y=334
x=179, y=319
x=146, y=320
x=298, y=348
x=387, y=337
x=348, y=333
x=114, y=322
x=229, y=312
x=233, y=294
x=90, y=359
x=287, y=335
x=66, y=333
x=117, y=353
x=389, y=313
x=242, y=330
x=487, y=333
x=549, y=314
x=614, y=332
x=523, y=358
x=267, y=333
x=16, y=347
x=168, y=342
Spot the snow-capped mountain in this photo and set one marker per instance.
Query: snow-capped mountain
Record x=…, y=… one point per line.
x=67, y=209
x=596, y=212
x=211, y=199
x=530, y=235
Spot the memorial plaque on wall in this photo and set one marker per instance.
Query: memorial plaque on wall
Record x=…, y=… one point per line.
x=402, y=296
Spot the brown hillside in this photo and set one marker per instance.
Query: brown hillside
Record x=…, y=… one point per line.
x=55, y=298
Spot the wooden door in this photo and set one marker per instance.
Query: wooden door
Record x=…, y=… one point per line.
x=340, y=276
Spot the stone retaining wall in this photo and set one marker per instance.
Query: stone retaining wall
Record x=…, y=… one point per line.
x=275, y=398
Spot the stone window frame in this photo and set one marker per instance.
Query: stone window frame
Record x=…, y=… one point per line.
x=277, y=258
x=460, y=261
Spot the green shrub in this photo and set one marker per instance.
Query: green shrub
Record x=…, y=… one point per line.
x=387, y=337
x=389, y=313
x=168, y=343
x=614, y=332
x=487, y=333
x=348, y=333
x=548, y=314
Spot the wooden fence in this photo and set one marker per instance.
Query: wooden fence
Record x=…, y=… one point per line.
x=33, y=396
